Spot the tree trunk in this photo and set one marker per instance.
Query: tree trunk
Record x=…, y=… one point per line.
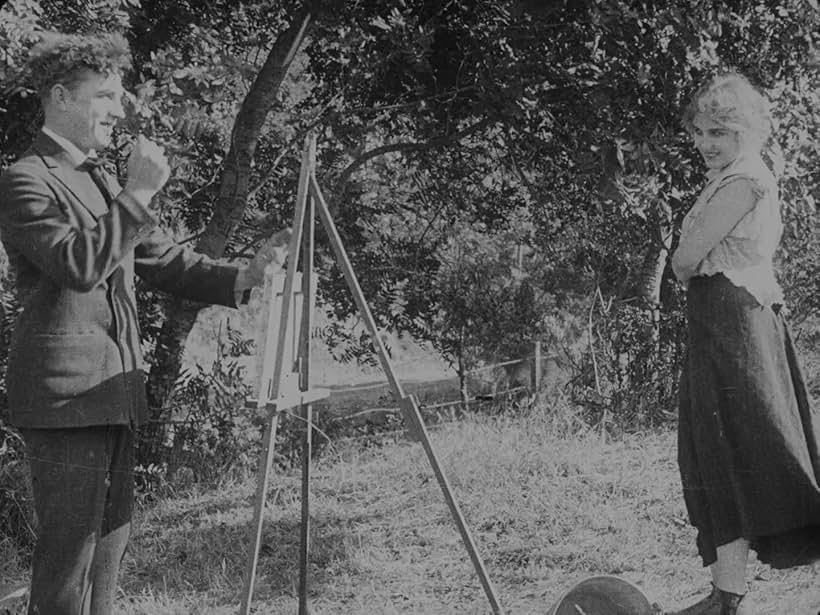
x=229, y=209
x=653, y=266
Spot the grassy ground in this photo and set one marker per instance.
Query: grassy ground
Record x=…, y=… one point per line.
x=547, y=509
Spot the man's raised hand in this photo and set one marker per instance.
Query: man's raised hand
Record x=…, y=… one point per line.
x=148, y=170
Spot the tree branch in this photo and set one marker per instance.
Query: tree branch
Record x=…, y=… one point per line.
x=413, y=103
x=233, y=190
x=440, y=141
x=287, y=149
x=559, y=94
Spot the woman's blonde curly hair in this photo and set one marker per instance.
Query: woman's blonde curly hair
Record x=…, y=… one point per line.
x=732, y=101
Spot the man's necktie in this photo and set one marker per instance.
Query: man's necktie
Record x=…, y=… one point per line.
x=93, y=166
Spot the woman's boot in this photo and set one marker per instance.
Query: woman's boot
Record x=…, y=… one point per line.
x=719, y=602
x=730, y=603
x=709, y=605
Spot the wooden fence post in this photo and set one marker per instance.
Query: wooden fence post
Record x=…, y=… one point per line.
x=536, y=368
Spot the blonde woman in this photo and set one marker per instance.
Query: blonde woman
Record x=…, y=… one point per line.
x=748, y=439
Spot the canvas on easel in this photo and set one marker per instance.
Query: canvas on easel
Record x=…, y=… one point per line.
x=267, y=337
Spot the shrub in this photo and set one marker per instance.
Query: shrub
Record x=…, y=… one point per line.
x=17, y=521
x=628, y=373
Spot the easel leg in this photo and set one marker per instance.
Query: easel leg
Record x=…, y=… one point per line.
x=305, y=329
x=412, y=415
x=265, y=461
x=411, y=412
x=304, y=555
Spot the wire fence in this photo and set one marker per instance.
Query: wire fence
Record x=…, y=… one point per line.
x=484, y=368
x=371, y=408
x=503, y=396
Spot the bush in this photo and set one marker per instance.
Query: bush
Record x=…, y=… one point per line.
x=629, y=372
x=17, y=522
x=17, y=534
x=209, y=432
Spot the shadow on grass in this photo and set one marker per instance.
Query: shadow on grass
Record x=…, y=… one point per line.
x=206, y=549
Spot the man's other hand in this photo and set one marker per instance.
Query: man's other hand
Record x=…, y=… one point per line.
x=272, y=253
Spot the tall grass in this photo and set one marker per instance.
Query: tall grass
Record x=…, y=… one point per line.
x=548, y=503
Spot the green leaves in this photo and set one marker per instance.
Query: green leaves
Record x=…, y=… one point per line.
x=444, y=126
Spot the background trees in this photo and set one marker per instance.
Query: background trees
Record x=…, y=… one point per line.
x=490, y=164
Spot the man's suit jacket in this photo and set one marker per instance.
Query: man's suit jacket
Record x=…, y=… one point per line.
x=75, y=357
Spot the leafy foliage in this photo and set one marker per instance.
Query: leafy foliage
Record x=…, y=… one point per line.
x=17, y=528
x=212, y=431
x=448, y=134
x=450, y=119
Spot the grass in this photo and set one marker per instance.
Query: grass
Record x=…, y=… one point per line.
x=547, y=509
x=548, y=503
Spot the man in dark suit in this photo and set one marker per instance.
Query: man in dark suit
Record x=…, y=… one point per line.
x=75, y=241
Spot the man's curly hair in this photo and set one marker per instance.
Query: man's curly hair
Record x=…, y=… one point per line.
x=66, y=58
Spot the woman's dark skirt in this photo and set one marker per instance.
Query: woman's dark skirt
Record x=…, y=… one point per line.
x=748, y=437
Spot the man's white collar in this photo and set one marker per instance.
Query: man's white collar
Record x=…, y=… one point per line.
x=74, y=152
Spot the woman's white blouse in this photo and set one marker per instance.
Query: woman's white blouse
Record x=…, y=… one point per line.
x=746, y=254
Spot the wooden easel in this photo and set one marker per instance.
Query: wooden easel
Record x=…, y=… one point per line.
x=277, y=390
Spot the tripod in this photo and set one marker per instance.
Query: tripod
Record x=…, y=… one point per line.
x=278, y=390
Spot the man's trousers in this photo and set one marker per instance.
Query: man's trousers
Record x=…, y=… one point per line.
x=83, y=484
